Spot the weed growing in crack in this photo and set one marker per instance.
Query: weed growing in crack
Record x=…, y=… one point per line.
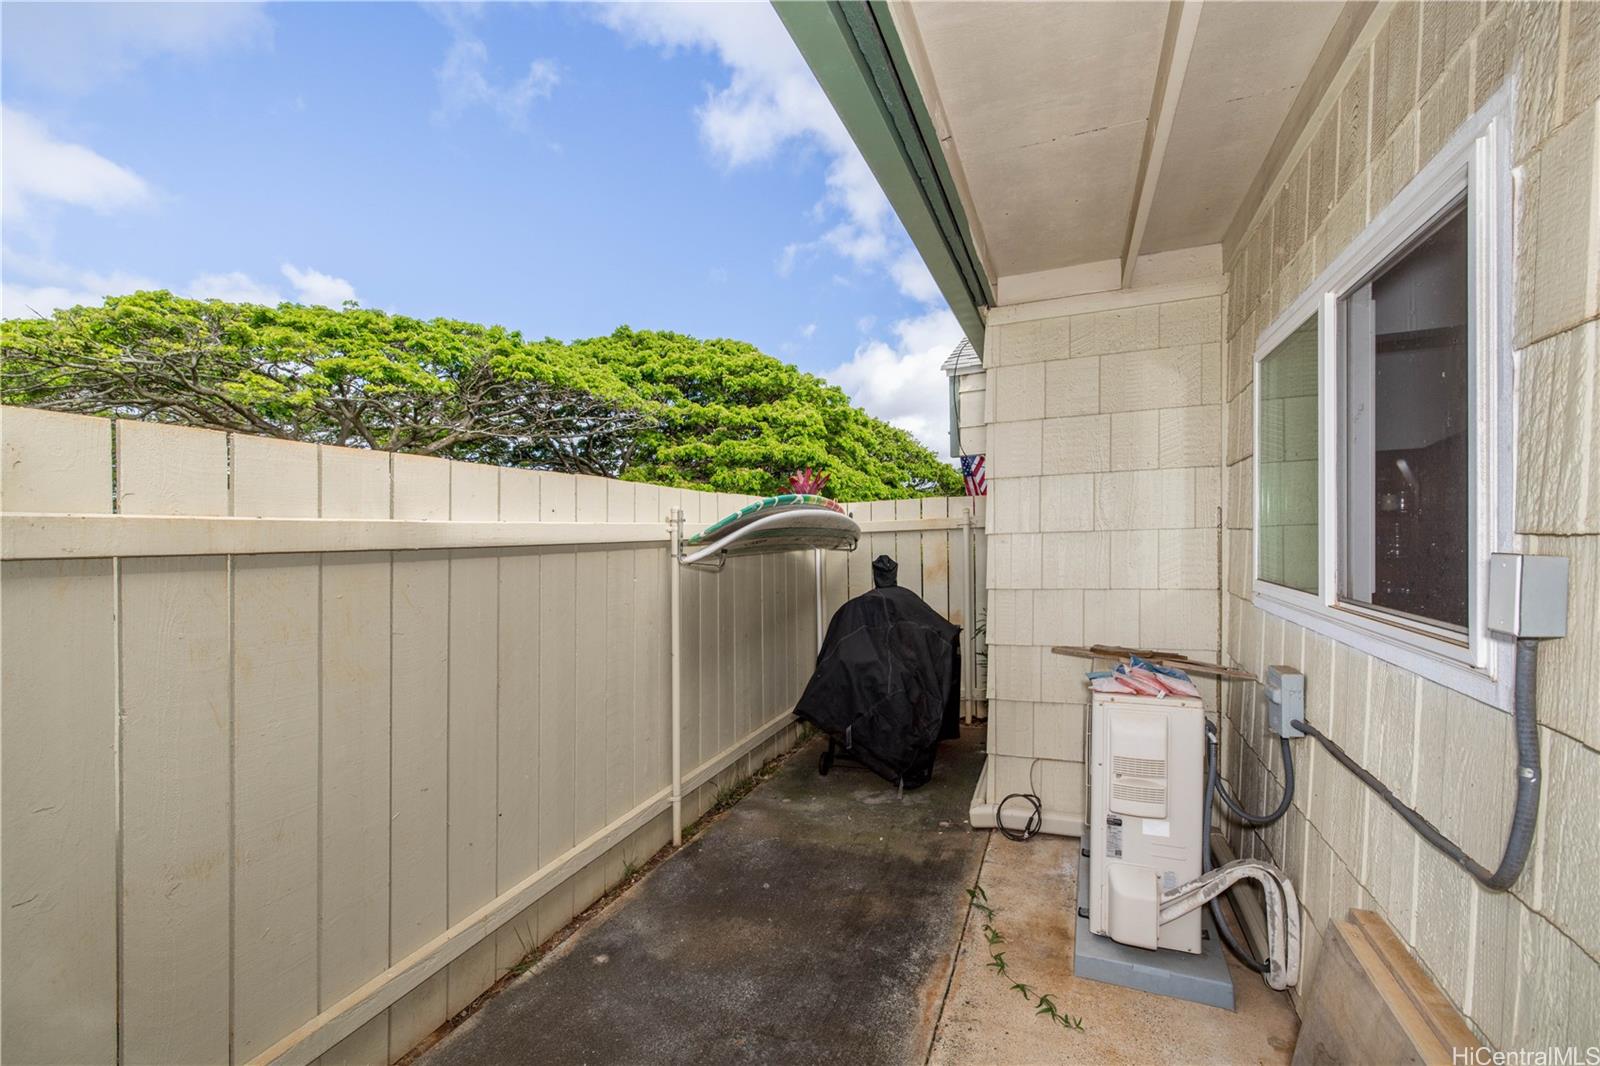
x=1044, y=1003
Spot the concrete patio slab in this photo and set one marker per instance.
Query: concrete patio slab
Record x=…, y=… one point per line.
x=816, y=922
x=1033, y=886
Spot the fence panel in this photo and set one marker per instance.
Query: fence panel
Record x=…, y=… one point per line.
x=361, y=778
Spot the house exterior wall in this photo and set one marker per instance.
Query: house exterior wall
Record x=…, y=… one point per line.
x=1104, y=462
x=1520, y=965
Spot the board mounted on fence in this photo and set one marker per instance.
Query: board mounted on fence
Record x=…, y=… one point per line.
x=775, y=524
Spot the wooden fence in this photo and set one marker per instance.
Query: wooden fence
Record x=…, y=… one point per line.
x=304, y=746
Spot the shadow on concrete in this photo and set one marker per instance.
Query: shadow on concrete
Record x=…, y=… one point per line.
x=816, y=922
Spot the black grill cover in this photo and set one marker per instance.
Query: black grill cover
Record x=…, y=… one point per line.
x=888, y=680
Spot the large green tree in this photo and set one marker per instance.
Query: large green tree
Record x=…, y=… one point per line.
x=646, y=406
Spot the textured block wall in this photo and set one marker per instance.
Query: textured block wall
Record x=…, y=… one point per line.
x=1521, y=966
x=1104, y=442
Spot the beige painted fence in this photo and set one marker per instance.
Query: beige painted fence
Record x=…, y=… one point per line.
x=303, y=746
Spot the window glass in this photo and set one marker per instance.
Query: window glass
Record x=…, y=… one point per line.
x=1406, y=444
x=1287, y=466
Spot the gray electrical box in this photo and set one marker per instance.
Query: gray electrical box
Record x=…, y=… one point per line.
x=1527, y=595
x=1286, y=700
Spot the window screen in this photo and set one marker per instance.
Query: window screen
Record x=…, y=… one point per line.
x=1406, y=430
x=1287, y=526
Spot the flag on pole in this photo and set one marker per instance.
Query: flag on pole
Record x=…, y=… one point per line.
x=972, y=474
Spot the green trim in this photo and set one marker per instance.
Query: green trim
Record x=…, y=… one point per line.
x=857, y=56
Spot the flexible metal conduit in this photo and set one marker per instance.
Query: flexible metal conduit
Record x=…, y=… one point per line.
x=1524, y=814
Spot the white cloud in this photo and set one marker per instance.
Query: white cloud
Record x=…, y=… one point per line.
x=903, y=383
x=466, y=80
x=235, y=287
x=38, y=168
x=772, y=100
x=74, y=48
x=808, y=330
x=315, y=287
x=36, y=286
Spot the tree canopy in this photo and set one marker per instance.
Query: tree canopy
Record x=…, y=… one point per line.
x=643, y=405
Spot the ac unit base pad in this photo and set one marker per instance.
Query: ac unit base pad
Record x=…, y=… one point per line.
x=1199, y=978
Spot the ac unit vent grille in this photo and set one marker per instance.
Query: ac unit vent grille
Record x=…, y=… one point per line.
x=1129, y=766
x=1138, y=794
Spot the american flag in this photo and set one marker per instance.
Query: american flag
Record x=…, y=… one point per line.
x=972, y=473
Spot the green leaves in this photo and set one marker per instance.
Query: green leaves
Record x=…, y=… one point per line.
x=647, y=406
x=1043, y=1004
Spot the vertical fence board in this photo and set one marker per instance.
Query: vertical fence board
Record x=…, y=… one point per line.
x=474, y=649
x=175, y=804
x=171, y=470
x=557, y=737
x=590, y=729
x=273, y=478
x=356, y=626
x=55, y=462
x=707, y=622
x=419, y=773
x=58, y=838
x=692, y=725
x=730, y=620
x=421, y=488
x=590, y=496
x=908, y=546
x=558, y=497
x=518, y=778
x=650, y=695
x=176, y=758
x=619, y=704
x=519, y=495
x=355, y=483
x=936, y=558
x=275, y=739
x=474, y=492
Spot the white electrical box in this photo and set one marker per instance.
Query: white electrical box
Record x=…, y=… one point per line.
x=1146, y=799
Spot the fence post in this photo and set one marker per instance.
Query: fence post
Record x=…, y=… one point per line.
x=675, y=525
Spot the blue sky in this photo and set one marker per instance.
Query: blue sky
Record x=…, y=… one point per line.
x=558, y=168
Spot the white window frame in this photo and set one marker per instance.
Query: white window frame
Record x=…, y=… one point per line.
x=1476, y=160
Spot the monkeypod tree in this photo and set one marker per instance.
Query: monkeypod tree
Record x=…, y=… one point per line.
x=646, y=406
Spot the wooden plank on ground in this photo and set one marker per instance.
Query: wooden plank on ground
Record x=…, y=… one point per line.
x=58, y=837
x=1372, y=1002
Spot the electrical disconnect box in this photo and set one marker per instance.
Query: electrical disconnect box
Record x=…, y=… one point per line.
x=1527, y=595
x=1285, y=690
x=1146, y=798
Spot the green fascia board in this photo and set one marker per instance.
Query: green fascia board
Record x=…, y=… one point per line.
x=857, y=57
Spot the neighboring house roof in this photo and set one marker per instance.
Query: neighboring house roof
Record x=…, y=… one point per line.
x=965, y=357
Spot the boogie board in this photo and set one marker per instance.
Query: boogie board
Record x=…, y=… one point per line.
x=776, y=524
